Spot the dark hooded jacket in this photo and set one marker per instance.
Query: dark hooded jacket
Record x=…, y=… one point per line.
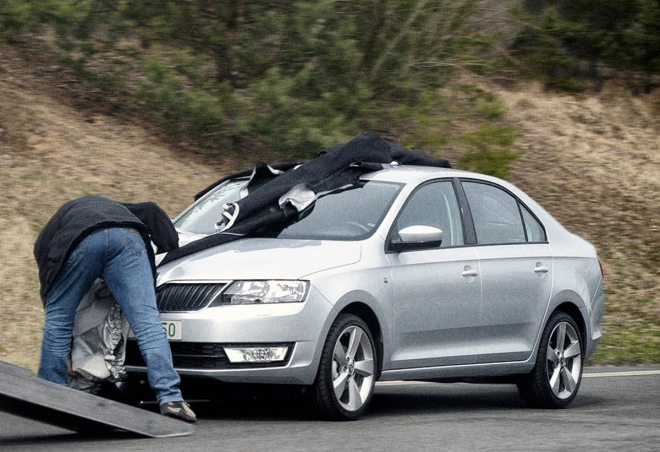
x=76, y=219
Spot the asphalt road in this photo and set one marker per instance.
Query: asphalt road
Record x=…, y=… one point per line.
x=617, y=409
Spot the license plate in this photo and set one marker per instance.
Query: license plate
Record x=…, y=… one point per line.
x=173, y=329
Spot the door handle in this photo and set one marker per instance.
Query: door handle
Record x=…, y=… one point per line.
x=541, y=268
x=468, y=272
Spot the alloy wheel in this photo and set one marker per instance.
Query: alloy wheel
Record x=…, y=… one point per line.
x=564, y=360
x=353, y=368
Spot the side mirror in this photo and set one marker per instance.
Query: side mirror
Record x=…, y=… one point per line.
x=417, y=237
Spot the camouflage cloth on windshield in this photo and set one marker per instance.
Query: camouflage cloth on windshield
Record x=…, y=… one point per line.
x=99, y=340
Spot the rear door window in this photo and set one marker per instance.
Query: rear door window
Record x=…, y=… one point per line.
x=496, y=215
x=533, y=228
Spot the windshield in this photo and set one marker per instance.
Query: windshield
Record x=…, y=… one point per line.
x=205, y=213
x=350, y=214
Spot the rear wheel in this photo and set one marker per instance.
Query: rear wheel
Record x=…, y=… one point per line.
x=347, y=371
x=556, y=377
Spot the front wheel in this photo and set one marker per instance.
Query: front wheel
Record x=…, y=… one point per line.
x=556, y=377
x=347, y=371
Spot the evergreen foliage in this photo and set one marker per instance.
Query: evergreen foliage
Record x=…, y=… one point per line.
x=571, y=39
x=295, y=76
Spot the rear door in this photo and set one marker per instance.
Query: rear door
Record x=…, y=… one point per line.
x=436, y=292
x=516, y=263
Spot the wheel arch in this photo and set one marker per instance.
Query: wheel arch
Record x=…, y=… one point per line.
x=369, y=317
x=572, y=310
x=572, y=304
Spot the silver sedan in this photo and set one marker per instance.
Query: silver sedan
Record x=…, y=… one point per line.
x=416, y=273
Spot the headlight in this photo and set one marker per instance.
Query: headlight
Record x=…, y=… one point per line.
x=257, y=292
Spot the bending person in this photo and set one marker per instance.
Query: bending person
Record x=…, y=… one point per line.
x=94, y=237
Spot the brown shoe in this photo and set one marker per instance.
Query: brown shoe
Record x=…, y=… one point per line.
x=179, y=410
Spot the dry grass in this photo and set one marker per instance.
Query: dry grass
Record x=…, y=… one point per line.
x=593, y=162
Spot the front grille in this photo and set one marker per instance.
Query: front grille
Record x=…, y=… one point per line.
x=186, y=297
x=199, y=356
x=186, y=355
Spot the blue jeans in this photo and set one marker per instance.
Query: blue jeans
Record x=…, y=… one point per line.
x=119, y=256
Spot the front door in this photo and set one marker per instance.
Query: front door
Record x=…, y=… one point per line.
x=436, y=292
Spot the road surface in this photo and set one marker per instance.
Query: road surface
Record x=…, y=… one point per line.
x=617, y=409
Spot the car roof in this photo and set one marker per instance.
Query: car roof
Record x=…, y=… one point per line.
x=414, y=174
x=408, y=174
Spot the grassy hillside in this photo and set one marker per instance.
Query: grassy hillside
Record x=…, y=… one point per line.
x=592, y=161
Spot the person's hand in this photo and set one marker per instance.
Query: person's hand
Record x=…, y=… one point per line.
x=69, y=368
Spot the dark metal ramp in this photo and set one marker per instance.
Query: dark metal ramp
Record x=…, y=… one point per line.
x=33, y=398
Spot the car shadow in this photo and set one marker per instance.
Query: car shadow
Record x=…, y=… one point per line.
x=404, y=399
x=389, y=400
x=420, y=398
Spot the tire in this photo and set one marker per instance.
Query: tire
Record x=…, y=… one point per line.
x=555, y=380
x=347, y=371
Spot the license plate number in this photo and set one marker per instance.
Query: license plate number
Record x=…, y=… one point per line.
x=173, y=329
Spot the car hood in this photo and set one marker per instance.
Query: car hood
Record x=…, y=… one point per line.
x=260, y=258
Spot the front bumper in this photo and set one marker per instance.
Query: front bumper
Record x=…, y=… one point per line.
x=206, y=333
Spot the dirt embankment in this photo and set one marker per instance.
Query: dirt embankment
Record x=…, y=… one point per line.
x=592, y=161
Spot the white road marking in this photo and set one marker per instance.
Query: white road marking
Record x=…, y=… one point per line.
x=403, y=383
x=633, y=373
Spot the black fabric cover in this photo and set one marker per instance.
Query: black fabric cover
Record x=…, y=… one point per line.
x=259, y=167
x=338, y=166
